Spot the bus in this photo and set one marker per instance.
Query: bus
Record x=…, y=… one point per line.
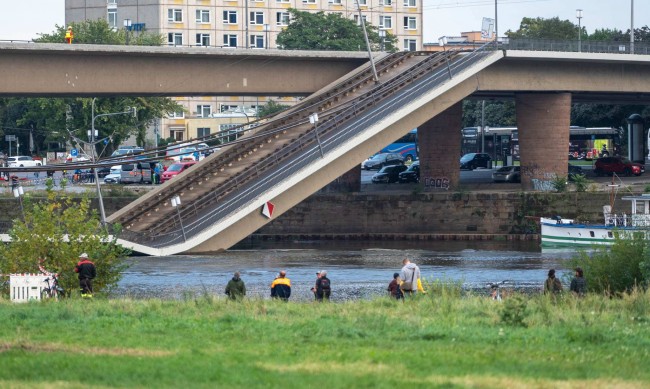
x=502, y=143
x=407, y=146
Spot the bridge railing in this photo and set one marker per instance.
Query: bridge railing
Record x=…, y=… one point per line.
x=333, y=132
x=585, y=46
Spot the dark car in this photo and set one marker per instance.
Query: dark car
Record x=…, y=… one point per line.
x=388, y=174
x=378, y=161
x=507, y=174
x=412, y=174
x=103, y=172
x=618, y=165
x=472, y=161
x=574, y=171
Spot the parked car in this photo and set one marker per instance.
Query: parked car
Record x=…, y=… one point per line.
x=114, y=176
x=22, y=161
x=573, y=171
x=618, y=165
x=127, y=151
x=507, y=174
x=378, y=161
x=176, y=169
x=412, y=174
x=103, y=172
x=388, y=174
x=472, y=161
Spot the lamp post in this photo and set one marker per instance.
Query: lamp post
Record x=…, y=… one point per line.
x=496, y=26
x=266, y=39
x=382, y=36
x=365, y=35
x=313, y=119
x=579, y=16
x=127, y=29
x=176, y=203
x=19, y=192
x=631, y=26
x=442, y=41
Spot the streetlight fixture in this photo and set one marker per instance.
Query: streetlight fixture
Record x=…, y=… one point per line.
x=176, y=203
x=442, y=41
x=19, y=192
x=266, y=30
x=127, y=29
x=382, y=36
x=313, y=119
x=579, y=16
x=365, y=35
x=631, y=26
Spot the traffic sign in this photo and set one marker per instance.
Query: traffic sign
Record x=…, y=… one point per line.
x=74, y=153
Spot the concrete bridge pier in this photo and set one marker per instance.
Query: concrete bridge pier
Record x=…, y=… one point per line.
x=543, y=121
x=439, y=141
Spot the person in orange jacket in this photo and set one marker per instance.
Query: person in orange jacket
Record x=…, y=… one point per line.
x=69, y=35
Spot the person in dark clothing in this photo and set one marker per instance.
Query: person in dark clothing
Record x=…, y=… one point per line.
x=552, y=285
x=394, y=288
x=236, y=289
x=578, y=283
x=87, y=272
x=323, y=286
x=281, y=287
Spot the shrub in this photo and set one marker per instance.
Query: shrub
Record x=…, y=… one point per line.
x=559, y=183
x=581, y=182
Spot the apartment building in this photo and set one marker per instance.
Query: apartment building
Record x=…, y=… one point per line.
x=237, y=24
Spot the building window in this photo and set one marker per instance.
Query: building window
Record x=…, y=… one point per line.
x=175, y=15
x=309, y=1
x=203, y=16
x=363, y=2
x=410, y=23
x=203, y=39
x=112, y=2
x=387, y=3
x=230, y=17
x=257, y=41
x=203, y=111
x=410, y=45
x=226, y=107
x=112, y=17
x=202, y=131
x=386, y=22
x=177, y=133
x=364, y=18
x=282, y=1
x=175, y=39
x=282, y=18
x=230, y=40
x=410, y=3
x=176, y=115
x=257, y=18
x=335, y=2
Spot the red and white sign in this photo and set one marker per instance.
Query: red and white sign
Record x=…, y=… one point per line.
x=267, y=210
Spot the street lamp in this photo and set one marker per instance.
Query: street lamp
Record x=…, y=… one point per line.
x=176, y=203
x=19, y=192
x=313, y=119
x=579, y=16
x=442, y=41
x=365, y=35
x=382, y=36
x=266, y=30
x=127, y=28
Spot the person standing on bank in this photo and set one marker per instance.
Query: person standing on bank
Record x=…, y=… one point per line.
x=552, y=285
x=409, y=275
x=578, y=283
x=87, y=272
x=394, y=289
x=323, y=287
x=281, y=287
x=236, y=289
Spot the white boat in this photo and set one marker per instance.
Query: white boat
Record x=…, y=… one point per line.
x=558, y=231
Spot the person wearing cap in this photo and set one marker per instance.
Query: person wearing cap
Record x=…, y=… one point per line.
x=87, y=272
x=323, y=286
x=281, y=287
x=236, y=289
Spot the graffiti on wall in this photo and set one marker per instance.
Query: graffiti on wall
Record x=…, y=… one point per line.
x=543, y=180
x=436, y=183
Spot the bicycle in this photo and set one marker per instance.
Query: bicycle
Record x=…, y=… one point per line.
x=53, y=290
x=495, y=287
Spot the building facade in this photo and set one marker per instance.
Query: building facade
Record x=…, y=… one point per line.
x=236, y=24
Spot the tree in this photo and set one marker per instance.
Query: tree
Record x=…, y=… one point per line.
x=331, y=31
x=98, y=32
x=57, y=230
x=270, y=108
x=540, y=28
x=497, y=113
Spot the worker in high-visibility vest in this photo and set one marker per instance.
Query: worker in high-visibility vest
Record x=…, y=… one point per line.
x=69, y=35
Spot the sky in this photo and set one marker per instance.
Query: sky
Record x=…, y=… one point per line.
x=19, y=21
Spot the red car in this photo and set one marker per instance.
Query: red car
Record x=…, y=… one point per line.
x=176, y=169
x=618, y=165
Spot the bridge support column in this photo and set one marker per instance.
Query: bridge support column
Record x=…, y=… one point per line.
x=439, y=143
x=349, y=182
x=543, y=121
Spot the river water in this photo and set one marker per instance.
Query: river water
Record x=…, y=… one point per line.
x=357, y=270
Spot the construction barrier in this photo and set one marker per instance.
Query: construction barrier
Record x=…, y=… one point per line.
x=26, y=287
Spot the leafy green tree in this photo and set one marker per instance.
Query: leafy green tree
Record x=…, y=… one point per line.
x=57, y=230
x=329, y=31
x=609, y=35
x=541, y=28
x=98, y=32
x=497, y=113
x=270, y=108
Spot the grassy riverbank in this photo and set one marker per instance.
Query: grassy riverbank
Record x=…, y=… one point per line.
x=439, y=340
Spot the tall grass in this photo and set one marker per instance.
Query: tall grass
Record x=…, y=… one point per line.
x=441, y=339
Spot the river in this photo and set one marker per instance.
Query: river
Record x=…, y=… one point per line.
x=357, y=270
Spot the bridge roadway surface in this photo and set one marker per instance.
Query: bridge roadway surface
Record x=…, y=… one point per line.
x=284, y=160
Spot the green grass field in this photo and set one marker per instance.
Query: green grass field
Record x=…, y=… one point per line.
x=437, y=340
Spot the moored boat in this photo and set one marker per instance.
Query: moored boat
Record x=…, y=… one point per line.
x=558, y=231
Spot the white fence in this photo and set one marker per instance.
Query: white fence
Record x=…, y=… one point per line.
x=26, y=287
